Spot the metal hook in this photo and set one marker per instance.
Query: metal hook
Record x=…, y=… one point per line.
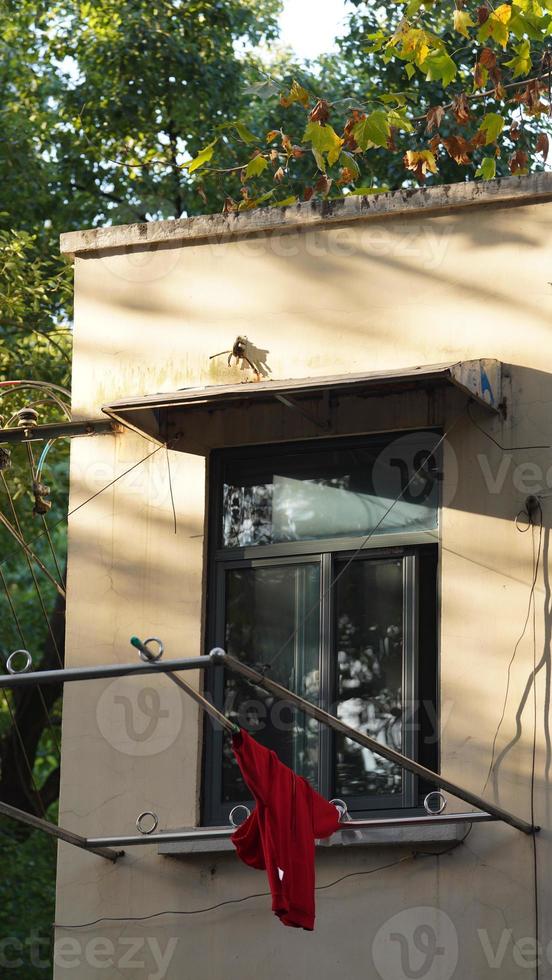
x=21, y=670
x=232, y=818
x=141, y=817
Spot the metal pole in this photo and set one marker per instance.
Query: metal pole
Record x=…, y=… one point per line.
x=54, y=831
x=221, y=833
x=149, y=656
x=223, y=659
x=106, y=670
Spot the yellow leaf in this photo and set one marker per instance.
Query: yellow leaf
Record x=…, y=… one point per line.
x=462, y=21
x=503, y=13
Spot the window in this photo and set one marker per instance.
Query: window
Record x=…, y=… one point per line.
x=345, y=622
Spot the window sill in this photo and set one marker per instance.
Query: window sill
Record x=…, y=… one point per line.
x=371, y=837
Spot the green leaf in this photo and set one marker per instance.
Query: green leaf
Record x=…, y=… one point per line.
x=487, y=170
x=521, y=63
x=347, y=160
x=439, y=67
x=492, y=125
x=324, y=141
x=368, y=190
x=398, y=120
x=256, y=166
x=374, y=130
x=285, y=202
x=202, y=157
x=244, y=133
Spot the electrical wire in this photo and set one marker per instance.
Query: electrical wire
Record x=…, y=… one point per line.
x=93, y=496
x=533, y=768
x=228, y=901
x=171, y=487
x=513, y=657
x=505, y=449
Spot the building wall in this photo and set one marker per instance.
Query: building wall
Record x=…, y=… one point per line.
x=363, y=295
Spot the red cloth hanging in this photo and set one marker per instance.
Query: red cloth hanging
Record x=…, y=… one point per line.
x=279, y=835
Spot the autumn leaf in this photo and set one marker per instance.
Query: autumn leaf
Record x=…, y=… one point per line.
x=491, y=126
x=518, y=163
x=349, y=163
x=321, y=112
x=461, y=109
x=496, y=25
x=420, y=162
x=279, y=175
x=487, y=169
x=296, y=94
x=487, y=58
x=434, y=117
x=458, y=148
x=272, y=135
x=307, y=193
x=323, y=185
x=462, y=20
x=543, y=145
x=483, y=13
x=514, y=133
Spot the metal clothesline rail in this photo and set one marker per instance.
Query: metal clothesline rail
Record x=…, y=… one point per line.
x=218, y=658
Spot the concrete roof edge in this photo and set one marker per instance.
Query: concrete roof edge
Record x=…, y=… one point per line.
x=533, y=188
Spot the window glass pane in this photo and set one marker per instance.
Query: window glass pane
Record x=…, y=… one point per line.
x=310, y=494
x=265, y=606
x=369, y=637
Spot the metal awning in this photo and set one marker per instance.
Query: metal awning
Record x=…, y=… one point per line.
x=188, y=416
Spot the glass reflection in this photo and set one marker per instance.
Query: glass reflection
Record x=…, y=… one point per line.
x=369, y=638
x=265, y=606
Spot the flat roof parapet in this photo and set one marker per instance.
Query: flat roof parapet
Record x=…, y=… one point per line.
x=501, y=192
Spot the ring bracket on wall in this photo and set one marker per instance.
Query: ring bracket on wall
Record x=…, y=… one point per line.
x=27, y=666
x=435, y=802
x=233, y=818
x=140, y=823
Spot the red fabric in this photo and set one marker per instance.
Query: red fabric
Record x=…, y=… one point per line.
x=280, y=833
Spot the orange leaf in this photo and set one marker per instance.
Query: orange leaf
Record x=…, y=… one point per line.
x=461, y=109
x=434, y=117
x=518, y=162
x=321, y=112
x=543, y=144
x=458, y=148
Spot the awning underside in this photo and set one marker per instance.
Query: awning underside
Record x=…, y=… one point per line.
x=195, y=420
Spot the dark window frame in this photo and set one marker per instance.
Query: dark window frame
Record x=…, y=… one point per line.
x=420, y=617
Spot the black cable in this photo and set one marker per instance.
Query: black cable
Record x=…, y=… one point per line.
x=512, y=658
x=533, y=767
x=505, y=449
x=229, y=901
x=171, y=487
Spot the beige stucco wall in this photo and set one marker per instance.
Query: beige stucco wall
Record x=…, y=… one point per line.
x=364, y=295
